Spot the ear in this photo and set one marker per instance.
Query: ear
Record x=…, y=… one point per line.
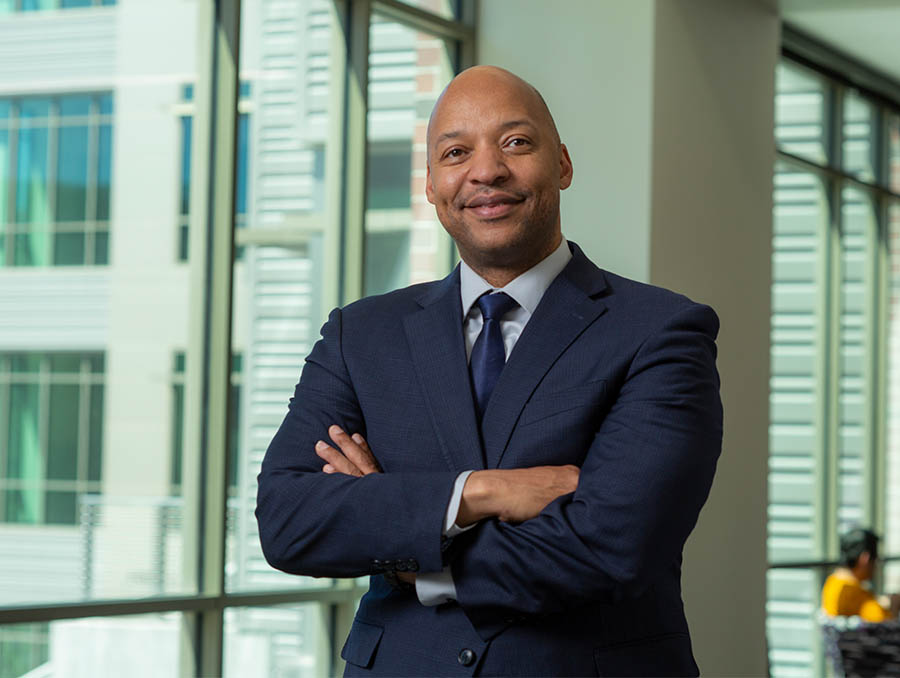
x=565, y=168
x=429, y=186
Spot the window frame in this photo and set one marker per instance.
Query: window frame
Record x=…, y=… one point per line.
x=844, y=77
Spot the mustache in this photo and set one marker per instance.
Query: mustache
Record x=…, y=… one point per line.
x=515, y=194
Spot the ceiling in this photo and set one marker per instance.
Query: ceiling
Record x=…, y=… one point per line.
x=867, y=30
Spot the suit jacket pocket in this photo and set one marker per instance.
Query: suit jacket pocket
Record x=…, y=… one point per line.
x=543, y=406
x=668, y=654
x=361, y=644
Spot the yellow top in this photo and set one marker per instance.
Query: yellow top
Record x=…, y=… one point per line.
x=844, y=596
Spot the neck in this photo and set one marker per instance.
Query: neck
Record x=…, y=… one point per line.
x=500, y=275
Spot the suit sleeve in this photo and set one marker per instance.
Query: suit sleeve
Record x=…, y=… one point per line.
x=644, y=479
x=335, y=525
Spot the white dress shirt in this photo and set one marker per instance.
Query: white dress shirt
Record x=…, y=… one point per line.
x=527, y=289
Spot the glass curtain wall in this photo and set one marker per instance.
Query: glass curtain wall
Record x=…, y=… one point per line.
x=131, y=433
x=834, y=459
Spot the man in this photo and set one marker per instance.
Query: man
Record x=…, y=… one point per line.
x=844, y=594
x=518, y=470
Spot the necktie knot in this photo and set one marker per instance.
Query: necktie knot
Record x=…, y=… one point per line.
x=495, y=306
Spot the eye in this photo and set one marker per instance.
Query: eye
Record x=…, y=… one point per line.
x=453, y=153
x=518, y=142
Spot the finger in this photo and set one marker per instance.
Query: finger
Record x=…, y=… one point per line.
x=358, y=455
x=359, y=440
x=338, y=462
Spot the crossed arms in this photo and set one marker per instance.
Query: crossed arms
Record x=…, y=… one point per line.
x=636, y=496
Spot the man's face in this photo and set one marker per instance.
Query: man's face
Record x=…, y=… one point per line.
x=495, y=171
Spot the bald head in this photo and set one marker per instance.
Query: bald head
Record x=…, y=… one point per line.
x=487, y=83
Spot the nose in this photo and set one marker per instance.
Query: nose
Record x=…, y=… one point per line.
x=488, y=166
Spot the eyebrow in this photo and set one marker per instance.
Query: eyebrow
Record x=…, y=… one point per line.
x=453, y=134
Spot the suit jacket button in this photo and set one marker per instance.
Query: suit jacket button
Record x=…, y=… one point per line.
x=466, y=657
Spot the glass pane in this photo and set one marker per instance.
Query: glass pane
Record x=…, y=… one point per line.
x=69, y=249
x=859, y=128
x=65, y=362
x=104, y=169
x=34, y=107
x=100, y=647
x=75, y=105
x=4, y=178
x=101, y=247
x=858, y=229
x=76, y=3
x=32, y=200
x=61, y=508
x=62, y=445
x=800, y=220
x=800, y=105
x=186, y=140
x=893, y=153
x=892, y=419
x=93, y=446
x=278, y=641
x=405, y=243
x=72, y=174
x=25, y=459
x=282, y=290
x=95, y=439
x=795, y=647
x=444, y=8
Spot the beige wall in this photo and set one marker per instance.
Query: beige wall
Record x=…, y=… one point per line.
x=667, y=107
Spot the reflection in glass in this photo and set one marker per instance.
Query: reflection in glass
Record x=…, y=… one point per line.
x=278, y=641
x=858, y=224
x=858, y=153
x=405, y=243
x=800, y=103
x=800, y=215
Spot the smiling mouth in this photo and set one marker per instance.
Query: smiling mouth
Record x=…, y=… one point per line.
x=493, y=206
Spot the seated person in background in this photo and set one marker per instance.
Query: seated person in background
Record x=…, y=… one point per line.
x=844, y=593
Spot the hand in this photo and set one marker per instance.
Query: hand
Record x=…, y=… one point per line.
x=514, y=495
x=354, y=458
x=408, y=577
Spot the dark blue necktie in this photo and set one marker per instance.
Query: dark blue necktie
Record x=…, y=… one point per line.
x=488, y=355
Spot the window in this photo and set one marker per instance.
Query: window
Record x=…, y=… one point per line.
x=185, y=121
x=833, y=335
x=52, y=452
x=185, y=310
x=55, y=174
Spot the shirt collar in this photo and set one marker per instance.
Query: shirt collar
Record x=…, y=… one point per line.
x=527, y=289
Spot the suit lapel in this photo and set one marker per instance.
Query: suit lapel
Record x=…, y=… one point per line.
x=567, y=308
x=435, y=335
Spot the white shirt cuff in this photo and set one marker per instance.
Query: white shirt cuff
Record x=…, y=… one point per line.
x=451, y=529
x=435, y=588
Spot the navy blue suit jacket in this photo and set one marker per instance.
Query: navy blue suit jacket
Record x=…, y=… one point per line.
x=614, y=376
